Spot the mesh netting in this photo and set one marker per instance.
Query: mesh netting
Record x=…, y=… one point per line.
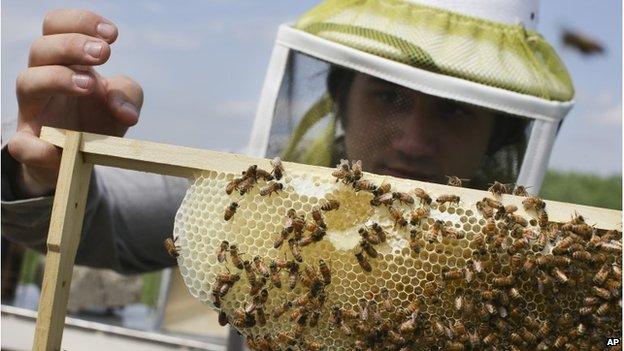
x=325, y=113
x=498, y=55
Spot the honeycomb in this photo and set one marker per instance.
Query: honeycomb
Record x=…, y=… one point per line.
x=526, y=287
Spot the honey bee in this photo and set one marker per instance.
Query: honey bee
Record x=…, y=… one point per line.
x=356, y=168
x=419, y=214
x=275, y=276
x=223, y=319
x=381, y=234
x=318, y=234
x=366, y=235
x=383, y=199
x=423, y=196
x=316, y=315
x=518, y=245
x=560, y=341
x=455, y=181
x=603, y=309
x=520, y=191
x=504, y=281
x=223, y=249
x=245, y=186
x=498, y=188
x=278, y=168
x=272, y=187
x=330, y=205
x=518, y=220
x=302, y=300
x=250, y=273
x=452, y=274
x=396, y=338
x=261, y=267
x=363, y=261
x=250, y=173
x=581, y=42
x=235, y=257
x=601, y=292
x=368, y=248
x=230, y=211
x=325, y=272
x=280, y=310
x=342, y=174
x=542, y=219
x=413, y=241
x=559, y=275
x=172, y=248
x=317, y=216
x=408, y=327
x=515, y=293
x=453, y=199
x=490, y=339
x=382, y=189
x=227, y=278
x=490, y=228
x=403, y=198
x=485, y=210
x=293, y=275
x=280, y=240
x=397, y=216
x=232, y=185
x=309, y=345
x=365, y=185
x=438, y=328
x=295, y=249
x=262, y=174
x=533, y=203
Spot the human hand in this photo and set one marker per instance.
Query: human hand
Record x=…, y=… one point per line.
x=60, y=88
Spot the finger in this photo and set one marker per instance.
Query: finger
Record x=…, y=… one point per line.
x=37, y=83
x=28, y=149
x=125, y=99
x=68, y=49
x=79, y=21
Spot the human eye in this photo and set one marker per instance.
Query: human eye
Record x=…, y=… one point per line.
x=453, y=109
x=388, y=96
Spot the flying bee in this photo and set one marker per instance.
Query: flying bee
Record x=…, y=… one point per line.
x=397, y=216
x=533, y=203
x=172, y=248
x=423, y=196
x=365, y=185
x=325, y=272
x=230, y=211
x=223, y=249
x=498, y=188
x=455, y=181
x=330, y=205
x=272, y=187
x=403, y=198
x=235, y=257
x=363, y=261
x=368, y=248
x=280, y=310
x=366, y=235
x=419, y=214
x=293, y=275
x=278, y=168
x=581, y=42
x=295, y=250
x=381, y=234
x=413, y=241
x=233, y=185
x=261, y=267
x=453, y=199
x=382, y=189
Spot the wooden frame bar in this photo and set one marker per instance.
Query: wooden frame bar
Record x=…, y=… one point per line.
x=83, y=150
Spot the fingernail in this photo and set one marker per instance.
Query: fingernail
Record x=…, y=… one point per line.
x=106, y=30
x=93, y=48
x=126, y=106
x=82, y=81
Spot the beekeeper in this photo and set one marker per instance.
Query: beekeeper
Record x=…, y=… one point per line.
x=419, y=89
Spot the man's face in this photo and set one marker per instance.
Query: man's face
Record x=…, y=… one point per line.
x=404, y=133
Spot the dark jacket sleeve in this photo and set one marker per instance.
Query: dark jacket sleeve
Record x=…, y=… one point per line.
x=128, y=216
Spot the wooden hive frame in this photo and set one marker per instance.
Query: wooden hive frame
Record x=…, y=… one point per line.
x=83, y=150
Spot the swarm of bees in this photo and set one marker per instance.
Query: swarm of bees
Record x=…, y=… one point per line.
x=527, y=283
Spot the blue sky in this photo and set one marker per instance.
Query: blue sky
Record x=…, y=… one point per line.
x=202, y=65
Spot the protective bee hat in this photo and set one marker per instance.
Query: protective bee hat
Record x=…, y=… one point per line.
x=425, y=88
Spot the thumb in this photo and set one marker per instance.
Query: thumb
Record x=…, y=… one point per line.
x=125, y=99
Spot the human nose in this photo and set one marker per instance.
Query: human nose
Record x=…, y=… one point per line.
x=418, y=134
